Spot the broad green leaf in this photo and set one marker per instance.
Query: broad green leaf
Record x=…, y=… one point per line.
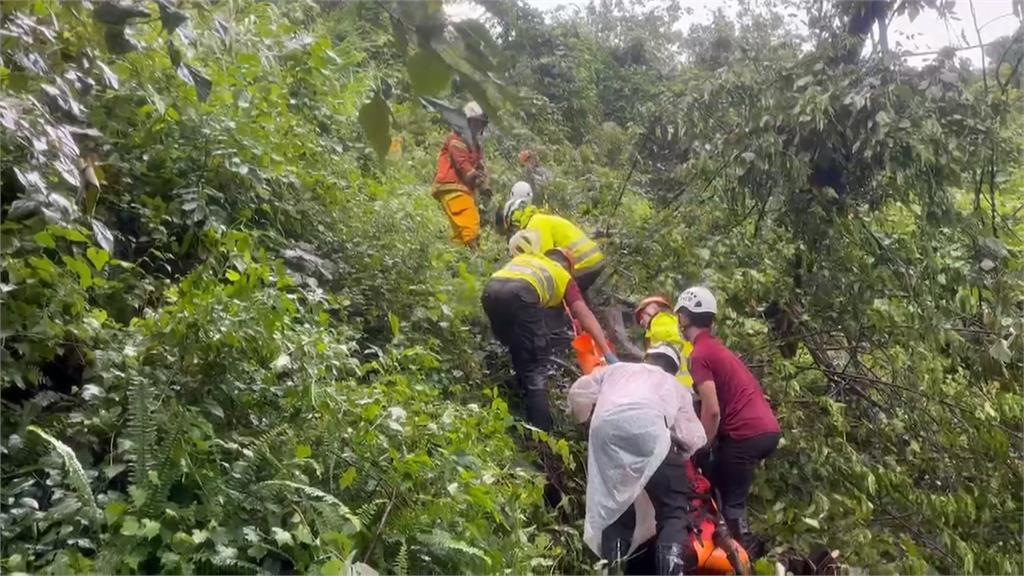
x=114, y=511
x=67, y=233
x=375, y=119
x=333, y=567
x=428, y=72
x=347, y=478
x=303, y=451
x=44, y=239
x=811, y=522
x=149, y=528
x=98, y=257
x=130, y=526
x=395, y=323
x=79, y=267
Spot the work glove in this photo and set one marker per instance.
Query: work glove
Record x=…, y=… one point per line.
x=611, y=359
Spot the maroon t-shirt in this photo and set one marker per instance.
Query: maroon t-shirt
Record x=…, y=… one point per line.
x=572, y=293
x=745, y=411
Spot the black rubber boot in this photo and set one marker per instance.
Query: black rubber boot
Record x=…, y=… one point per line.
x=538, y=412
x=738, y=527
x=740, y=530
x=670, y=559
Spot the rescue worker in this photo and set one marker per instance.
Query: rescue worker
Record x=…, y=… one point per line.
x=654, y=315
x=515, y=299
x=461, y=176
x=555, y=232
x=522, y=190
x=634, y=411
x=534, y=174
x=739, y=423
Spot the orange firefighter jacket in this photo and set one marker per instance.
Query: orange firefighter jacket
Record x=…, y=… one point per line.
x=459, y=167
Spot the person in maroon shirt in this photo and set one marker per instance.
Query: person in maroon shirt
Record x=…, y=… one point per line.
x=740, y=425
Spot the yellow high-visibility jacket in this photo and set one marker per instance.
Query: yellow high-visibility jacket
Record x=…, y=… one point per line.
x=557, y=232
x=545, y=275
x=664, y=329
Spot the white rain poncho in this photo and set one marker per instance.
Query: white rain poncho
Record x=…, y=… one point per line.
x=634, y=405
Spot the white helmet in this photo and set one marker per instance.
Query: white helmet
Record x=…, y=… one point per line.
x=511, y=207
x=524, y=242
x=473, y=110
x=522, y=190
x=697, y=299
x=666, y=350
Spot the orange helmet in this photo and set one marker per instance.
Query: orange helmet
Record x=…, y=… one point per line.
x=647, y=302
x=524, y=157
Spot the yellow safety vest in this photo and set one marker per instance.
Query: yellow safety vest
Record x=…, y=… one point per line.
x=557, y=232
x=664, y=329
x=546, y=276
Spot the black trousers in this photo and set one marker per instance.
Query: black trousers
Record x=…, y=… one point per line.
x=518, y=322
x=732, y=469
x=669, y=491
x=587, y=279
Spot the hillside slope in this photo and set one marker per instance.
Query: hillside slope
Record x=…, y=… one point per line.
x=235, y=337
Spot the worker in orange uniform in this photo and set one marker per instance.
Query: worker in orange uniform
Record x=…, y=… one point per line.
x=461, y=174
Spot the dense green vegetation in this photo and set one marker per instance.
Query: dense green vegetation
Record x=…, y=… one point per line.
x=235, y=338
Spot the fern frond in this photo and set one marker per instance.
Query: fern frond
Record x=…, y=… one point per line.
x=444, y=540
x=76, y=474
x=165, y=466
x=242, y=481
x=402, y=560
x=221, y=564
x=367, y=512
x=141, y=430
x=318, y=494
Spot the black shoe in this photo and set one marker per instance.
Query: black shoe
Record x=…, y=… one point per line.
x=756, y=546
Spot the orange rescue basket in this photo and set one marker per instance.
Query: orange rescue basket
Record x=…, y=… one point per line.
x=588, y=355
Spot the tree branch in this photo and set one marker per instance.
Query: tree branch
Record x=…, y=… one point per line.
x=984, y=67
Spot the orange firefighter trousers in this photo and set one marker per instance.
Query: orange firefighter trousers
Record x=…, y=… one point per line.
x=464, y=217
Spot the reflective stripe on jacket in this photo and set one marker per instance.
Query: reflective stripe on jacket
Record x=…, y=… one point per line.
x=664, y=329
x=546, y=276
x=457, y=165
x=557, y=232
